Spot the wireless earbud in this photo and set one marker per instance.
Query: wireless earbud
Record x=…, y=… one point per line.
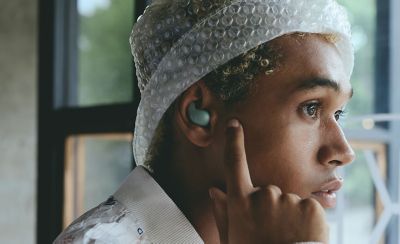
x=197, y=116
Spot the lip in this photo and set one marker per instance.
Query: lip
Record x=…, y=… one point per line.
x=326, y=195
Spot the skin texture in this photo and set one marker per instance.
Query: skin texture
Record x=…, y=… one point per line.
x=263, y=214
x=292, y=138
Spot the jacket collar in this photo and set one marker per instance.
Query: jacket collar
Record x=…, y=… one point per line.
x=157, y=215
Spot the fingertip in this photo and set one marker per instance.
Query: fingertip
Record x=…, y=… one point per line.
x=232, y=128
x=233, y=123
x=211, y=193
x=275, y=189
x=238, y=179
x=216, y=193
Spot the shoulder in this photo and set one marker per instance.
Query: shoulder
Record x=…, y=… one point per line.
x=106, y=223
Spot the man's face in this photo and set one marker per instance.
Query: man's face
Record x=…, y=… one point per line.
x=292, y=135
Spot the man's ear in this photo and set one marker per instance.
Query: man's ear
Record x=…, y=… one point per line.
x=203, y=98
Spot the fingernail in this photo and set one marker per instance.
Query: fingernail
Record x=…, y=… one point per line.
x=234, y=123
x=211, y=193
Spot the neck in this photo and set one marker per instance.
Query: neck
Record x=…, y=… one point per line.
x=190, y=193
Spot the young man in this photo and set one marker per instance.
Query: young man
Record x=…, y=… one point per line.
x=238, y=125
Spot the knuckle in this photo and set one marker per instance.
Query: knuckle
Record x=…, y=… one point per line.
x=273, y=189
x=312, y=206
x=268, y=194
x=233, y=156
x=290, y=197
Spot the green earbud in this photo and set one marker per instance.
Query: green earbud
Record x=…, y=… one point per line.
x=199, y=117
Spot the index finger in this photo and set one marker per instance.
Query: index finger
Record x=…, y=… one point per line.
x=238, y=181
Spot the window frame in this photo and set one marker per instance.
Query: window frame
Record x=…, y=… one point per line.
x=394, y=101
x=387, y=63
x=57, y=64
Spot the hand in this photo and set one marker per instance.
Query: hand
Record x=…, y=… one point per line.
x=247, y=214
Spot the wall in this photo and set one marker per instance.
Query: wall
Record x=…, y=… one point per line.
x=18, y=115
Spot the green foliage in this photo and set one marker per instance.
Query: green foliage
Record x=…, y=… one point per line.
x=359, y=188
x=105, y=69
x=363, y=18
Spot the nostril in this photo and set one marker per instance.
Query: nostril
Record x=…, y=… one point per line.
x=336, y=162
x=335, y=155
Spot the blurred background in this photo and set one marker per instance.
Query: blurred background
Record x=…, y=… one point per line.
x=68, y=102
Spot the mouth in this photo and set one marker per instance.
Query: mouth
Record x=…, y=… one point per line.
x=326, y=196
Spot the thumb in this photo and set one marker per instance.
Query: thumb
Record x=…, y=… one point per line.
x=219, y=204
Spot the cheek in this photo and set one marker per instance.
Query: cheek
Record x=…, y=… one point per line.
x=283, y=155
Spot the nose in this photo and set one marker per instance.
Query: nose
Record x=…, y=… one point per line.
x=335, y=150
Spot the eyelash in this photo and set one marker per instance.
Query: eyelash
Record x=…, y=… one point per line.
x=340, y=114
x=313, y=110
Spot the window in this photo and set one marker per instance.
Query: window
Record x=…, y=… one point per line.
x=367, y=210
x=363, y=18
x=104, y=63
x=94, y=166
x=87, y=106
x=88, y=100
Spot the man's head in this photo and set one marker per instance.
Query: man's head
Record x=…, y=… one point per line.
x=288, y=94
x=290, y=118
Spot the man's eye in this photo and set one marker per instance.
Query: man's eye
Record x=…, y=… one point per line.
x=311, y=110
x=340, y=114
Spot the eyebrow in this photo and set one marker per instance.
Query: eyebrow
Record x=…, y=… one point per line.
x=320, y=82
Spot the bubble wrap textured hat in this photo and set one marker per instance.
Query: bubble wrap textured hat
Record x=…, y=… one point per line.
x=177, y=42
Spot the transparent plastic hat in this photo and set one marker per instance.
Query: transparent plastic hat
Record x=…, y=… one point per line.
x=177, y=42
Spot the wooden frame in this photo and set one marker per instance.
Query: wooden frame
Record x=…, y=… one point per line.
x=380, y=150
x=75, y=171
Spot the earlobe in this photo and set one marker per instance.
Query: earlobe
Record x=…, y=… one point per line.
x=197, y=116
